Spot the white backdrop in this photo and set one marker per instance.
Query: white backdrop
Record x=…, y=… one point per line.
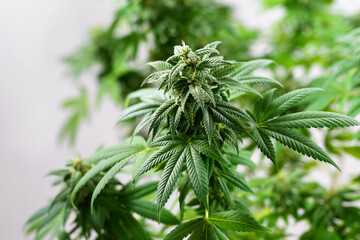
x=34, y=35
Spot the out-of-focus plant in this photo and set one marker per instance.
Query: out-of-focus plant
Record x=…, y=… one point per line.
x=113, y=215
x=330, y=213
x=149, y=28
x=301, y=39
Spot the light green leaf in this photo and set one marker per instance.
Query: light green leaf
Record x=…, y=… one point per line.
x=149, y=210
x=251, y=66
x=264, y=144
x=183, y=230
x=236, y=221
x=236, y=180
x=197, y=173
x=300, y=144
x=313, y=119
x=104, y=180
x=287, y=101
x=170, y=176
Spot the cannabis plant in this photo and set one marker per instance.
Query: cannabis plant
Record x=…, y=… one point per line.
x=195, y=135
x=152, y=28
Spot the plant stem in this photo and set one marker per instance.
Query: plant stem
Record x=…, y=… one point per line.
x=207, y=204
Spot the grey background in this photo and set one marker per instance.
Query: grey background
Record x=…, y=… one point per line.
x=34, y=35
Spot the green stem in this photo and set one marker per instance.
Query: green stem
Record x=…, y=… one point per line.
x=207, y=204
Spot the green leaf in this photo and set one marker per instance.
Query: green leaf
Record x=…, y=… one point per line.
x=110, y=161
x=166, y=140
x=208, y=125
x=161, y=65
x=251, y=66
x=104, y=180
x=121, y=149
x=256, y=80
x=140, y=191
x=183, y=188
x=262, y=104
x=313, y=119
x=300, y=144
x=156, y=76
x=203, y=147
x=246, y=90
x=224, y=189
x=137, y=110
x=170, y=176
x=198, y=94
x=236, y=180
x=176, y=70
x=228, y=107
x=197, y=173
x=243, y=158
x=133, y=228
x=183, y=230
x=206, y=51
x=225, y=70
x=161, y=112
x=159, y=156
x=229, y=120
x=218, y=233
x=212, y=44
x=149, y=210
x=265, y=145
x=236, y=221
x=38, y=214
x=287, y=101
x=145, y=121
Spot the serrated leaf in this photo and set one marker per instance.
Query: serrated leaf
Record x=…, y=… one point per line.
x=113, y=151
x=229, y=120
x=225, y=70
x=236, y=180
x=170, y=176
x=197, y=173
x=104, y=180
x=243, y=158
x=264, y=144
x=256, y=80
x=160, y=113
x=262, y=104
x=228, y=107
x=137, y=110
x=236, y=221
x=224, y=189
x=110, y=161
x=218, y=233
x=208, y=125
x=159, y=156
x=287, y=101
x=156, y=76
x=251, y=66
x=149, y=210
x=160, y=65
x=183, y=230
x=313, y=120
x=300, y=144
x=140, y=191
x=203, y=147
x=206, y=51
x=245, y=90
